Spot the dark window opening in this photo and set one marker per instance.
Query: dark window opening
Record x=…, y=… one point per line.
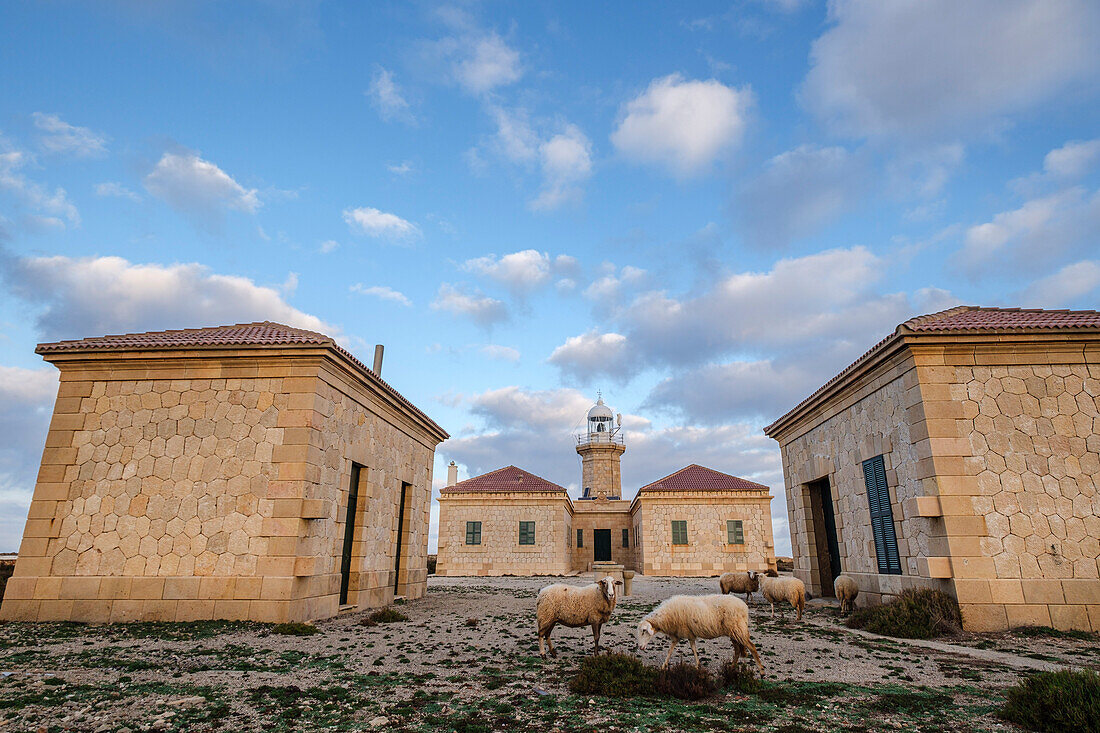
x=527, y=533
x=473, y=533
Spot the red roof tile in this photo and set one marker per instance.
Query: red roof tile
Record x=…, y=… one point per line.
x=700, y=478
x=260, y=334
x=508, y=478
x=972, y=319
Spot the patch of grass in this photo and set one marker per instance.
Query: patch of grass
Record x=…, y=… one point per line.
x=296, y=628
x=1056, y=702
x=613, y=675
x=909, y=702
x=686, y=682
x=918, y=613
x=1047, y=631
x=383, y=616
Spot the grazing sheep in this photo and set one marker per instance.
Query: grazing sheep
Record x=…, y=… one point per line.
x=784, y=590
x=738, y=583
x=700, y=617
x=846, y=591
x=572, y=606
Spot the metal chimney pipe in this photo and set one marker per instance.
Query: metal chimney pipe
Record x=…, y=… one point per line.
x=452, y=474
x=378, y=349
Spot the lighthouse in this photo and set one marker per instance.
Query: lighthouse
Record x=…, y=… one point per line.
x=600, y=446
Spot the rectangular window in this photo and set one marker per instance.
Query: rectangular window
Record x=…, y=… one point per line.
x=580, y=538
x=735, y=532
x=473, y=533
x=882, y=516
x=679, y=532
x=626, y=538
x=527, y=533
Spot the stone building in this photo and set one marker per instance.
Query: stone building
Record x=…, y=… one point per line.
x=694, y=522
x=254, y=471
x=962, y=452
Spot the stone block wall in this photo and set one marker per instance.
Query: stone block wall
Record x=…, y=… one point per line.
x=595, y=514
x=500, y=552
x=707, y=552
x=601, y=468
x=204, y=488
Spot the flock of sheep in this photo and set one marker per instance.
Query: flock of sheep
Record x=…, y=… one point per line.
x=680, y=617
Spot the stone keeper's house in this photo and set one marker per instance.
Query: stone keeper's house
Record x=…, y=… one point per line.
x=694, y=522
x=254, y=471
x=962, y=452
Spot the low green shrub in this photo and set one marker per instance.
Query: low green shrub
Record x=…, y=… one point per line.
x=740, y=677
x=917, y=613
x=383, y=616
x=296, y=628
x=613, y=675
x=1047, y=631
x=686, y=682
x=1056, y=702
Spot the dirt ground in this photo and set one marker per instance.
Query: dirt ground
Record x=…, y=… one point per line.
x=467, y=660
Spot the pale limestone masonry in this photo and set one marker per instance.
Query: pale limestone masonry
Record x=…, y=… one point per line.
x=988, y=424
x=211, y=480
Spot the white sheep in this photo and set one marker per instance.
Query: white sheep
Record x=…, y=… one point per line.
x=572, y=606
x=700, y=617
x=784, y=590
x=738, y=583
x=846, y=590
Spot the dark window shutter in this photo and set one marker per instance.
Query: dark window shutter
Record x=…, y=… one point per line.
x=626, y=538
x=882, y=516
x=580, y=538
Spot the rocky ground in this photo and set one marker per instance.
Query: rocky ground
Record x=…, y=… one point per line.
x=467, y=660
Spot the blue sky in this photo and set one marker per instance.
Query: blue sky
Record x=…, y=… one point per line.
x=705, y=210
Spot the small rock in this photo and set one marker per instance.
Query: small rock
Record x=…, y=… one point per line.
x=379, y=721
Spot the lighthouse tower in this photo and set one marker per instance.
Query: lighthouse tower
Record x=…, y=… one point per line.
x=600, y=447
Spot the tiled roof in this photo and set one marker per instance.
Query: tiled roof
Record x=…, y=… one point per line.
x=971, y=319
x=700, y=478
x=260, y=334
x=504, y=479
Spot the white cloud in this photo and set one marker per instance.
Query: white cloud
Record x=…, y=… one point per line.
x=765, y=389
x=62, y=138
x=501, y=353
x=382, y=292
x=1041, y=231
x=479, y=308
x=328, y=245
x=566, y=160
x=1076, y=284
x=799, y=192
x=935, y=67
x=386, y=97
x=375, y=223
x=115, y=190
x=78, y=297
x=608, y=290
x=684, y=125
x=26, y=405
x=514, y=139
x=521, y=272
x=594, y=354
x=45, y=207
x=404, y=168
x=199, y=189
x=1072, y=160
x=483, y=63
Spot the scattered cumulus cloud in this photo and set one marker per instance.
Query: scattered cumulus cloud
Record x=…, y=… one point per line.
x=386, y=97
x=501, y=353
x=566, y=160
x=199, y=189
x=594, y=354
x=77, y=297
x=1072, y=160
x=41, y=206
x=482, y=64
x=329, y=245
x=1075, y=285
x=404, y=168
x=940, y=67
x=110, y=189
x=26, y=406
x=683, y=124
x=521, y=272
x=59, y=137
x=382, y=292
x=478, y=307
x=380, y=224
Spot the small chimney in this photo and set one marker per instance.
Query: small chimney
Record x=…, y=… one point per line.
x=452, y=474
x=378, y=349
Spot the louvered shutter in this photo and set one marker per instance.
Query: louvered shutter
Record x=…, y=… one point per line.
x=882, y=516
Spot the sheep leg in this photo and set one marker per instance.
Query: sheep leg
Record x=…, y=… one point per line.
x=675, y=641
x=545, y=633
x=696, y=653
x=596, y=637
x=736, y=650
x=755, y=655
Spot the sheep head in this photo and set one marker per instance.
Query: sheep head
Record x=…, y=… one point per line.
x=646, y=632
x=607, y=586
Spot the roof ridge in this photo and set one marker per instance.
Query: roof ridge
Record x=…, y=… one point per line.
x=937, y=316
x=506, y=484
x=708, y=470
